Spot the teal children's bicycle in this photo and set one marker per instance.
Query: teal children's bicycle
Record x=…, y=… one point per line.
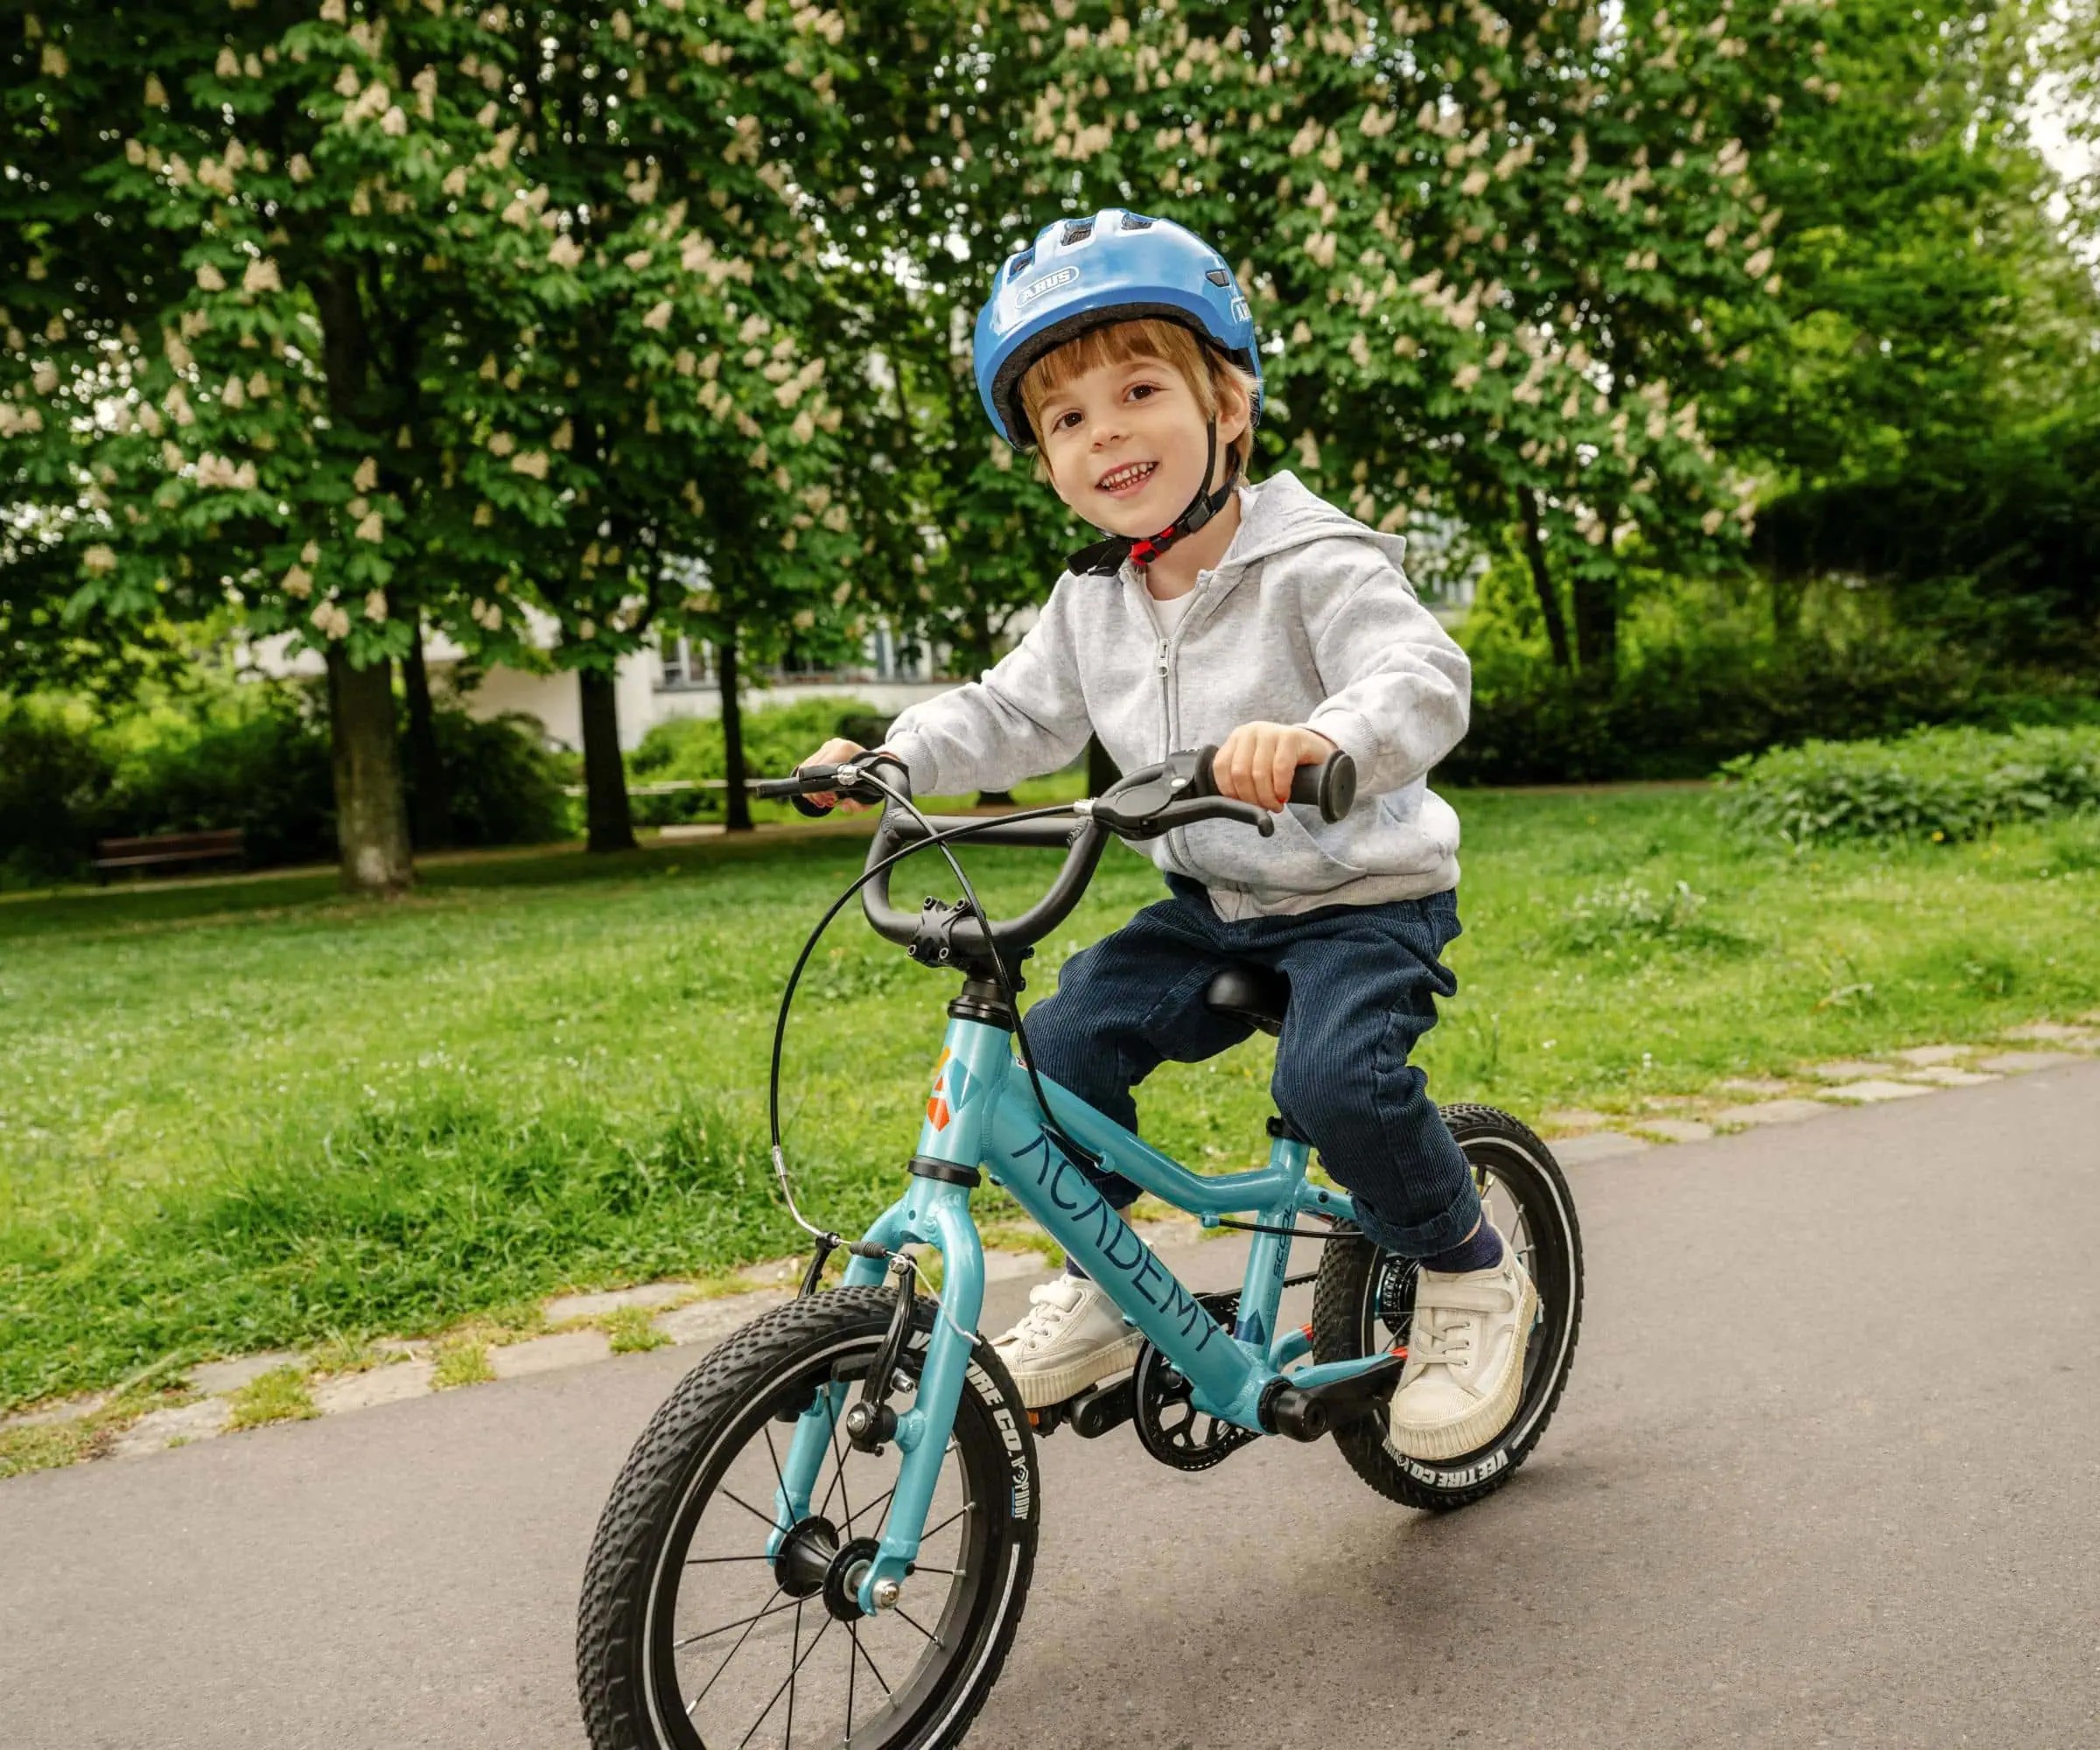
x=826, y=1535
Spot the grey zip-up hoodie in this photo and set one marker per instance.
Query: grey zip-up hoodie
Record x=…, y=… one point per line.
x=1308, y=619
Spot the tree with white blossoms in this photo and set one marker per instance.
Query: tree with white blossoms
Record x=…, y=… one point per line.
x=650, y=396
x=1497, y=255
x=236, y=237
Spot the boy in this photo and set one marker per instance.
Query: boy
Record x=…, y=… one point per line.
x=1264, y=619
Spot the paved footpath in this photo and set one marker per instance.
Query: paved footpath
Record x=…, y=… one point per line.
x=1828, y=1473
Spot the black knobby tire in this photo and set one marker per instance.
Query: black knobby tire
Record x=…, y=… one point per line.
x=695, y=1461
x=1365, y=1296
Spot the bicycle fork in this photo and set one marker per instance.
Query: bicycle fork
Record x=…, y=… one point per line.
x=936, y=1213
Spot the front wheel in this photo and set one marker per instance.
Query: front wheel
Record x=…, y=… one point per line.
x=691, y=1637
x=1365, y=1303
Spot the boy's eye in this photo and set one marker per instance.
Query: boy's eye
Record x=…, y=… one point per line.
x=1140, y=390
x=1064, y=421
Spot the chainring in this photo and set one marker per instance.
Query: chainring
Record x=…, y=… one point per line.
x=1167, y=1420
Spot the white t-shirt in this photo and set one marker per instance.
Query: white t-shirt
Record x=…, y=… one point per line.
x=1168, y=612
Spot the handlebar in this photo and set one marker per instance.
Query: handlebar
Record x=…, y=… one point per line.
x=1179, y=791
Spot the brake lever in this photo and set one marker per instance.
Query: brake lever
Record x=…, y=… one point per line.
x=1180, y=813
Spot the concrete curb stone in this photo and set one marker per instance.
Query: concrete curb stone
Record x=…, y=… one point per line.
x=1771, y=1112
x=376, y=1385
x=1874, y=1090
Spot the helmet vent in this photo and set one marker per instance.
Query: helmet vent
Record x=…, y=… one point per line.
x=1077, y=232
x=1218, y=276
x=1135, y=221
x=1020, y=264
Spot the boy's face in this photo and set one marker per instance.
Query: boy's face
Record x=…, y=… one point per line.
x=1125, y=443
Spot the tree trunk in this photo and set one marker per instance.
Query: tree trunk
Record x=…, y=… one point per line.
x=609, y=823
x=1542, y=579
x=431, y=827
x=371, y=814
x=736, y=805
x=1101, y=770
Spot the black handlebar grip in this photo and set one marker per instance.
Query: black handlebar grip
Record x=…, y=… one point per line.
x=1330, y=787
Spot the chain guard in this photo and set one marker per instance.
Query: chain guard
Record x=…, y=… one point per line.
x=1167, y=1421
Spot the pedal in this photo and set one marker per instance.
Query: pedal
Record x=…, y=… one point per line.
x=1101, y=1408
x=1091, y=1413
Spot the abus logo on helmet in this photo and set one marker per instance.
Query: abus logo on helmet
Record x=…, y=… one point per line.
x=1035, y=289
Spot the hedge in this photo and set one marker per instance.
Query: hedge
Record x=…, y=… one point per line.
x=1936, y=784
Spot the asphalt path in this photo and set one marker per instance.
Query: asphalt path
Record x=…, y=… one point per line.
x=1827, y=1472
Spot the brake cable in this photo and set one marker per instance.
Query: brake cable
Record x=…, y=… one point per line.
x=828, y=1241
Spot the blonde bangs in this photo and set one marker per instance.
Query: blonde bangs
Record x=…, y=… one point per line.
x=1202, y=367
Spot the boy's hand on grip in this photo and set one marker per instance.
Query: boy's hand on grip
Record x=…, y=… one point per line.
x=1257, y=760
x=832, y=753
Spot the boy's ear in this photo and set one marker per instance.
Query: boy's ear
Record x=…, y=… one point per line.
x=1235, y=410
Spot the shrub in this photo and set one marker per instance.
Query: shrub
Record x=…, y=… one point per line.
x=775, y=738
x=247, y=756
x=1679, y=712
x=223, y=755
x=502, y=784
x=1937, y=784
x=51, y=773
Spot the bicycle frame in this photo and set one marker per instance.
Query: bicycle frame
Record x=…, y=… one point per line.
x=982, y=1114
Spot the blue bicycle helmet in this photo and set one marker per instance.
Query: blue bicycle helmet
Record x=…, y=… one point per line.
x=1112, y=266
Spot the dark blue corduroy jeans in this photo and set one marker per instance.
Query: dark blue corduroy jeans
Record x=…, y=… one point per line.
x=1363, y=984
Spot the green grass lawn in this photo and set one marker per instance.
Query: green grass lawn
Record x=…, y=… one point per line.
x=249, y=1115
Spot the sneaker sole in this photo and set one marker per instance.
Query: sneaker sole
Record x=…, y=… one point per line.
x=1041, y=1389
x=1488, y=1418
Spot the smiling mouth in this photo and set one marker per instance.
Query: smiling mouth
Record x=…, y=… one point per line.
x=1126, y=478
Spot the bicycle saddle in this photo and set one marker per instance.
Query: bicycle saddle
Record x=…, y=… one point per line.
x=1252, y=994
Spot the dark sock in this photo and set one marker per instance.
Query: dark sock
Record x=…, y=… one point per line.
x=1482, y=1251
x=1073, y=1268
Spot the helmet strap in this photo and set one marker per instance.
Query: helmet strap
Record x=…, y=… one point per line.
x=1105, y=558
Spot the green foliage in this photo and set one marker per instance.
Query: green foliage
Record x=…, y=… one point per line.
x=399, y=1221
x=1629, y=913
x=219, y=755
x=1679, y=709
x=1940, y=784
x=502, y=784
x=52, y=773
x=776, y=738
x=279, y=1395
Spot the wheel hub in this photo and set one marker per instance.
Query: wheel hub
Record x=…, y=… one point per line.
x=842, y=1581
x=806, y=1557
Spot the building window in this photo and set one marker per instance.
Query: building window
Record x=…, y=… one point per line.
x=685, y=664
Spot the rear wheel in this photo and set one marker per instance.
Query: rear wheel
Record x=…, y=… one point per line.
x=1365, y=1303
x=691, y=1637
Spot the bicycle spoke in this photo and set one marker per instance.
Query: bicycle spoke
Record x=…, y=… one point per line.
x=852, y=1671
x=839, y=1457
x=702, y=1561
x=795, y=1655
x=766, y=1519
x=813, y=1641
x=719, y=1669
x=907, y=1616
x=775, y=1457
x=878, y=1501
x=967, y=1506
x=926, y=1568
x=771, y=1610
x=853, y=1628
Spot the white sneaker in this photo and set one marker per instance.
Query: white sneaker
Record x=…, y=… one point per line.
x=1465, y=1368
x=1072, y=1336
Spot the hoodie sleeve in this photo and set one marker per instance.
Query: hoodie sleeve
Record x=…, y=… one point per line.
x=1025, y=716
x=1398, y=687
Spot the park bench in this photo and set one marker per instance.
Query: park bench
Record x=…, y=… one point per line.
x=171, y=850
